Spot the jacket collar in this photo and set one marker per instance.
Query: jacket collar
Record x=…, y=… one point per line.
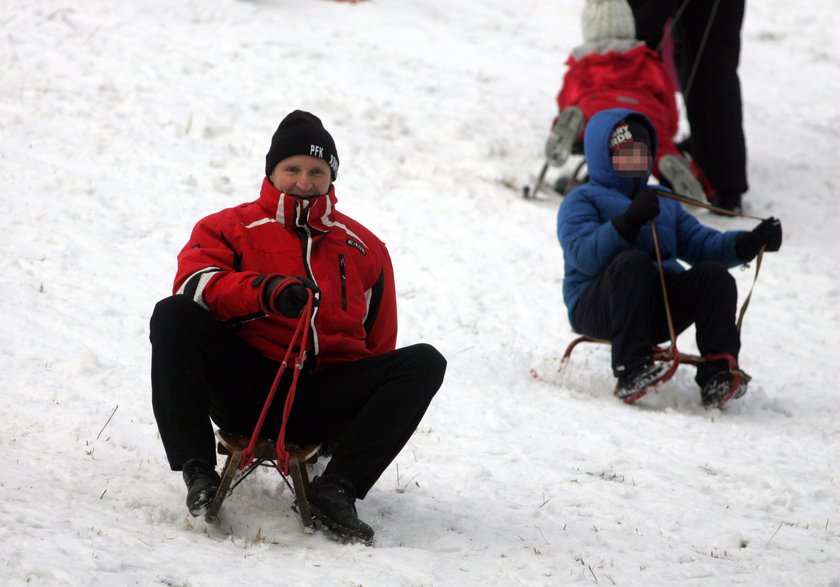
x=292, y=212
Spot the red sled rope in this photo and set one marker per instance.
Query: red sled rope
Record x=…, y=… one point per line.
x=300, y=339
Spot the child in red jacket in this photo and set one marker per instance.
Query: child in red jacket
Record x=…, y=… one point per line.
x=613, y=69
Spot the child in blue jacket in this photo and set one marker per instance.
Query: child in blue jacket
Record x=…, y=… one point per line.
x=611, y=285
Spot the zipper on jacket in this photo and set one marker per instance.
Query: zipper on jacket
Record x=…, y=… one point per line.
x=305, y=236
x=342, y=272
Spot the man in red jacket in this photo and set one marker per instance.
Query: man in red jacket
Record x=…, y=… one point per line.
x=243, y=280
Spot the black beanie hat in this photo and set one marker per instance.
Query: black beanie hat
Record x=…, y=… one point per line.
x=629, y=131
x=301, y=133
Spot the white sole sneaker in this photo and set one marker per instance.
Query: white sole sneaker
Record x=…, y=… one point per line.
x=677, y=172
x=565, y=131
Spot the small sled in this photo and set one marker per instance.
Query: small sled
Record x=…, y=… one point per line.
x=564, y=183
x=265, y=454
x=675, y=358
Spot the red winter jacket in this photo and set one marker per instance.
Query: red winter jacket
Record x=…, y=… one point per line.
x=635, y=78
x=230, y=254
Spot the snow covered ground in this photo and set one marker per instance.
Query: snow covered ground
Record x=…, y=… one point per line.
x=122, y=123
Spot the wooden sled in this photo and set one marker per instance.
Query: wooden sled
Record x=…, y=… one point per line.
x=265, y=454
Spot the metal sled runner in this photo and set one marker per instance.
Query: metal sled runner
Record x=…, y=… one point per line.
x=676, y=358
x=265, y=454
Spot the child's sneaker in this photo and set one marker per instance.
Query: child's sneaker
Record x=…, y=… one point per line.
x=676, y=171
x=634, y=385
x=723, y=387
x=562, y=139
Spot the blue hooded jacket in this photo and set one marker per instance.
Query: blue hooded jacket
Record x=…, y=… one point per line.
x=589, y=239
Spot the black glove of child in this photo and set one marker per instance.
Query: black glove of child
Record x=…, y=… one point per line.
x=767, y=234
x=286, y=295
x=643, y=208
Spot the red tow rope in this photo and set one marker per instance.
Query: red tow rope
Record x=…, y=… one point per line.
x=301, y=336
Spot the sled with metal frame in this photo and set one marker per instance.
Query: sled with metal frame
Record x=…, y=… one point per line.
x=265, y=455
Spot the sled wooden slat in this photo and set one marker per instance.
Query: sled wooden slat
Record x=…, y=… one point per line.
x=233, y=445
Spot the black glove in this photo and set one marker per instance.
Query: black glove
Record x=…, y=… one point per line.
x=643, y=208
x=767, y=234
x=286, y=295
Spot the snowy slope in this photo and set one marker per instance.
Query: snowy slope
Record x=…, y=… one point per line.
x=122, y=123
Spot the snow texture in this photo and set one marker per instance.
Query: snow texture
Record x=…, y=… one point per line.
x=123, y=123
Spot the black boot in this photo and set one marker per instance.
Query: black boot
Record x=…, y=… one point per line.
x=332, y=500
x=202, y=482
x=728, y=201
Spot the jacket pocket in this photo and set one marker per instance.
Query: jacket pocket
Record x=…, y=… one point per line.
x=342, y=273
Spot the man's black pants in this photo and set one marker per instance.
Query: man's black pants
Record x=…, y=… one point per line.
x=625, y=306
x=201, y=371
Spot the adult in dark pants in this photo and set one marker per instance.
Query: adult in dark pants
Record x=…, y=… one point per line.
x=713, y=95
x=242, y=282
x=611, y=285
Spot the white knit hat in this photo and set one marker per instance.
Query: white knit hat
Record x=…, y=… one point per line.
x=607, y=19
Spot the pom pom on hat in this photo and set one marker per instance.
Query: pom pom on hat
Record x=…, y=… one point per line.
x=301, y=133
x=607, y=19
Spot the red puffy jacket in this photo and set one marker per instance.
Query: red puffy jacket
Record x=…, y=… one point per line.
x=635, y=79
x=230, y=254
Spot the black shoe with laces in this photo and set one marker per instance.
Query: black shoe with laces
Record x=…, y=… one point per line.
x=633, y=385
x=202, y=482
x=332, y=501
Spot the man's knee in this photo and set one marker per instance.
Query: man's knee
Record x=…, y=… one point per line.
x=172, y=313
x=428, y=362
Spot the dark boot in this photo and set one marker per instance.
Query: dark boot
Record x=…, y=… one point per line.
x=332, y=499
x=202, y=482
x=728, y=201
